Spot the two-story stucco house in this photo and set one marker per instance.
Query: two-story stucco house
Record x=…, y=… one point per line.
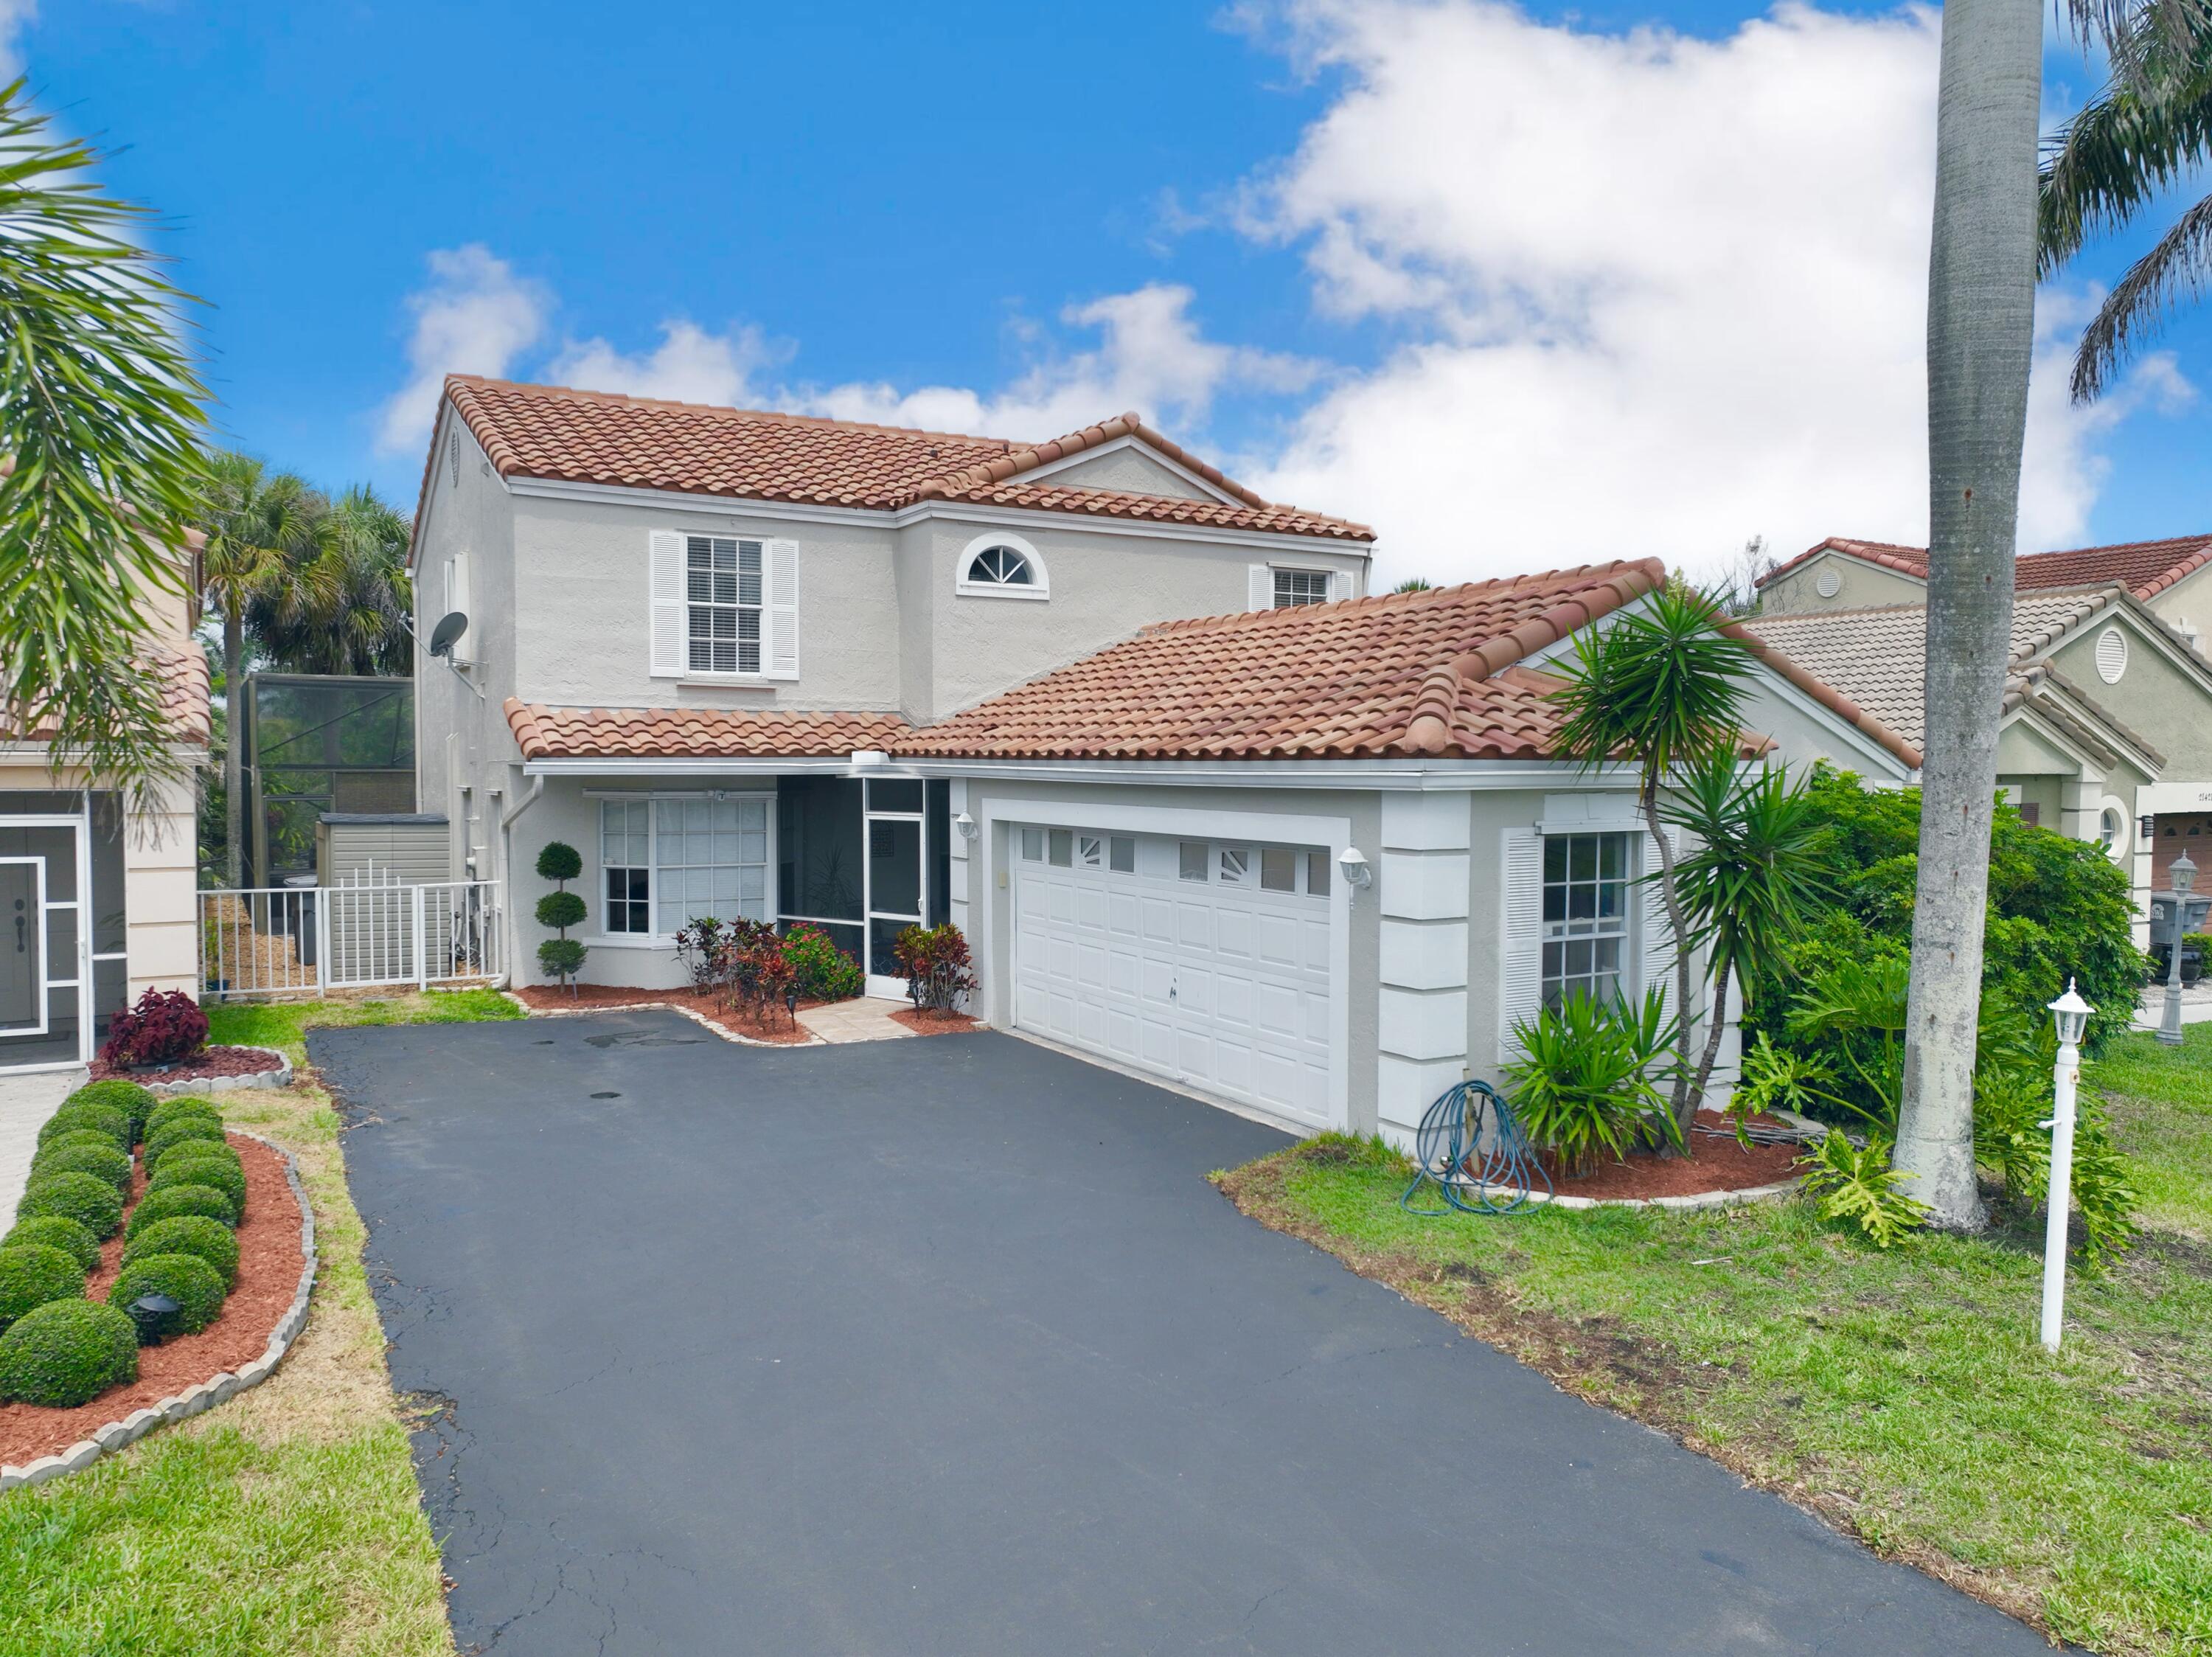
x=1205, y=808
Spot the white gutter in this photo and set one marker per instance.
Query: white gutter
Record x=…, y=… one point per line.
x=530, y=796
x=1395, y=775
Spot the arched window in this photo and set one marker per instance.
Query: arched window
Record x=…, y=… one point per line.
x=1000, y=565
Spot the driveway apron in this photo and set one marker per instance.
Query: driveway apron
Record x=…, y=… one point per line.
x=946, y=1346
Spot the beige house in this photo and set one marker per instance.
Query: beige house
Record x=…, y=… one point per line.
x=97, y=906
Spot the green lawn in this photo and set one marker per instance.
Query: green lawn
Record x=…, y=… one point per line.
x=1903, y=1396
x=285, y=1024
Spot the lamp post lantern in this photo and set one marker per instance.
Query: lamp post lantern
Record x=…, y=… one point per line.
x=2072, y=1014
x=2183, y=876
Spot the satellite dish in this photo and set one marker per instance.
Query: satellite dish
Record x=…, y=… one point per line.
x=447, y=633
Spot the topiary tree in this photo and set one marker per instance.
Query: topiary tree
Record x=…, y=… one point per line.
x=67, y=1353
x=134, y=1101
x=561, y=909
x=170, y=1201
x=86, y=1198
x=32, y=1274
x=85, y=1153
x=191, y=1281
x=96, y=1119
x=188, y=1234
x=180, y=1131
x=55, y=1231
x=221, y=1170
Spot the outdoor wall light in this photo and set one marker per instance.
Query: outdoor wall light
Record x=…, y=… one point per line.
x=147, y=1312
x=966, y=825
x=1358, y=871
x=2145, y=828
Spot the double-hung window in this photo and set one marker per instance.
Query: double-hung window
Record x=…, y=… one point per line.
x=666, y=862
x=1294, y=588
x=722, y=599
x=1586, y=910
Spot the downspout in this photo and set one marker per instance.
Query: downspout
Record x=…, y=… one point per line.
x=507, y=821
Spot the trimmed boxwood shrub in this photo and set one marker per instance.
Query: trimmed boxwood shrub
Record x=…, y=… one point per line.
x=86, y=1198
x=191, y=1281
x=98, y=1118
x=222, y=1172
x=57, y=1231
x=156, y=1206
x=67, y=1353
x=81, y=1137
x=178, y=1109
x=177, y=1131
x=134, y=1101
x=85, y=1153
x=189, y=1233
x=32, y=1273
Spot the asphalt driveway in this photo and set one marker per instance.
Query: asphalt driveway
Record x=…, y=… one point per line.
x=946, y=1346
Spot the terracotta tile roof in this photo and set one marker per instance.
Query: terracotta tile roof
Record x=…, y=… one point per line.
x=548, y=733
x=2145, y=568
x=183, y=674
x=1429, y=672
x=600, y=438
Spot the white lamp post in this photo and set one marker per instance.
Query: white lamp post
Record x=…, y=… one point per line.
x=2183, y=876
x=2072, y=1014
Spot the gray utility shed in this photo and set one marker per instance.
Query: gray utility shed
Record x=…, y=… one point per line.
x=407, y=847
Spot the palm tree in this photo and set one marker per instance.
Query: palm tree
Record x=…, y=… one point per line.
x=100, y=416
x=1414, y=584
x=344, y=608
x=2149, y=130
x=1659, y=688
x=1981, y=328
x=266, y=535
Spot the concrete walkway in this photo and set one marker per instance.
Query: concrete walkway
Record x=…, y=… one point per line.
x=26, y=1102
x=866, y=1019
x=2196, y=1005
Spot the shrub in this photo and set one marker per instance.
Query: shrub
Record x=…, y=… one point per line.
x=1589, y=1079
x=191, y=1281
x=741, y=962
x=89, y=1118
x=57, y=1231
x=163, y=1027
x=562, y=957
x=170, y=1201
x=559, y=861
x=1856, y=1186
x=128, y=1097
x=560, y=909
x=85, y=1153
x=32, y=1273
x=936, y=962
x=821, y=971
x=181, y=1130
x=189, y=1233
x=222, y=1172
x=183, y=1108
x=67, y=1353
x=86, y=1198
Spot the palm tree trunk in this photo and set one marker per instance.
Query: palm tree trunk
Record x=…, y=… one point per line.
x=234, y=753
x=1680, y=928
x=1718, y=974
x=1981, y=319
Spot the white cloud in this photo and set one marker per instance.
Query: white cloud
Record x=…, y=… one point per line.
x=689, y=365
x=16, y=16
x=1655, y=294
x=474, y=316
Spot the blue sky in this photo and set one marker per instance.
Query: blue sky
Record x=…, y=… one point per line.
x=1398, y=262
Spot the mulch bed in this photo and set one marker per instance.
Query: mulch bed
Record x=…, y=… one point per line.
x=1713, y=1164
x=933, y=1024
x=551, y=998
x=269, y=1265
x=209, y=1062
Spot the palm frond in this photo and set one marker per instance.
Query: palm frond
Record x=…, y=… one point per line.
x=2123, y=148
x=2179, y=266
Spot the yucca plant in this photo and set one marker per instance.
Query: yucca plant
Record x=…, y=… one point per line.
x=1590, y=1076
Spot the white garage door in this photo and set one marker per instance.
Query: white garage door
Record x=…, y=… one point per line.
x=1203, y=960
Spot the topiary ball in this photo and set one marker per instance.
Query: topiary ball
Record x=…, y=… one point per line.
x=116, y=1094
x=189, y=1233
x=191, y=1281
x=222, y=1172
x=32, y=1273
x=85, y=1153
x=57, y=1231
x=98, y=1118
x=66, y=1352
x=86, y=1198
x=82, y=1137
x=178, y=1109
x=177, y=1131
x=559, y=861
x=156, y=1206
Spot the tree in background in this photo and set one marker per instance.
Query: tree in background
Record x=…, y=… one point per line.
x=101, y=418
x=348, y=614
x=1981, y=335
x=1414, y=584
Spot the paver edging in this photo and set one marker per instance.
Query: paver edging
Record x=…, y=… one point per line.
x=279, y=1077
x=217, y=1388
x=700, y=1019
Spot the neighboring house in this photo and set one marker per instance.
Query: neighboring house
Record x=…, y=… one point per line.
x=1202, y=809
x=96, y=908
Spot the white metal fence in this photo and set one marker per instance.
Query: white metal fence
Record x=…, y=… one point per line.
x=371, y=929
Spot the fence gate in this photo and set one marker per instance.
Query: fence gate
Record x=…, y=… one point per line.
x=370, y=930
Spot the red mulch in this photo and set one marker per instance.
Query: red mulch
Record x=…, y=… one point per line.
x=209, y=1062
x=269, y=1262
x=1712, y=1164
x=551, y=998
x=933, y=1024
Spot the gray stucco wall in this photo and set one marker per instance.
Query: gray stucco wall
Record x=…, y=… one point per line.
x=1862, y=585
x=2187, y=605
x=2155, y=697
x=1128, y=469
x=1775, y=709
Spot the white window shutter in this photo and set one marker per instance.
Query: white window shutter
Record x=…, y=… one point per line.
x=1520, y=936
x=1658, y=938
x=669, y=653
x=783, y=615
x=1339, y=586
x=1263, y=587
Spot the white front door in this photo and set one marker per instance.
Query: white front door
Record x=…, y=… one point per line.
x=45, y=945
x=1203, y=961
